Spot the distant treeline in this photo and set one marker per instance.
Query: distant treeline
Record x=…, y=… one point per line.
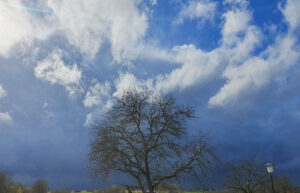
x=232, y=184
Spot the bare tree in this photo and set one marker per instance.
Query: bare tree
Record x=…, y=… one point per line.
x=283, y=185
x=144, y=135
x=246, y=177
x=5, y=182
x=16, y=187
x=40, y=186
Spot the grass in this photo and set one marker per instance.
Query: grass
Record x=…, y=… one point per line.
x=192, y=192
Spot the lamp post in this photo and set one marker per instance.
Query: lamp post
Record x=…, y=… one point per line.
x=270, y=171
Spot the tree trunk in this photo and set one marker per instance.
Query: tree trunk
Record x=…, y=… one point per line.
x=149, y=182
x=148, y=175
x=128, y=189
x=140, y=184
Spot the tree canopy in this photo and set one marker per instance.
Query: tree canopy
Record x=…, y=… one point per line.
x=5, y=181
x=247, y=176
x=40, y=186
x=145, y=135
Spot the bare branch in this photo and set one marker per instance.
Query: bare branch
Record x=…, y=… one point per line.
x=144, y=136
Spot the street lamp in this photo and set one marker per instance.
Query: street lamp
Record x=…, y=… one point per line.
x=270, y=171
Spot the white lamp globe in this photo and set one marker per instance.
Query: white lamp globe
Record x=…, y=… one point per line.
x=269, y=167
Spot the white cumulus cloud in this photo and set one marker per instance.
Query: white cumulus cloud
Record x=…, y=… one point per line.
x=95, y=94
x=234, y=60
x=203, y=10
x=54, y=70
x=198, y=66
x=129, y=81
x=19, y=25
x=291, y=13
x=98, y=113
x=153, y=2
x=122, y=25
x=5, y=118
x=3, y=92
x=87, y=24
x=257, y=71
x=235, y=22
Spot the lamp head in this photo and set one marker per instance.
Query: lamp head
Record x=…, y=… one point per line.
x=269, y=167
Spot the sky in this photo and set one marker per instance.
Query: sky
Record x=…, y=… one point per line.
x=62, y=62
